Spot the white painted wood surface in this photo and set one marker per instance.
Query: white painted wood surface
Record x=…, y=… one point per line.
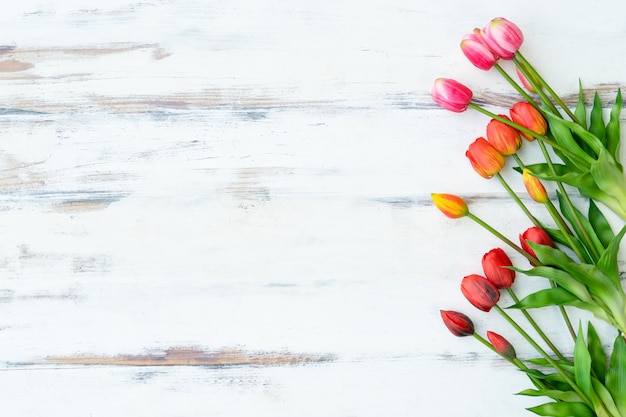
x=241, y=190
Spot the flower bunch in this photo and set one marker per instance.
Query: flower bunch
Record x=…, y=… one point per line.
x=573, y=248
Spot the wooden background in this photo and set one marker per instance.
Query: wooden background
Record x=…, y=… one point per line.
x=222, y=208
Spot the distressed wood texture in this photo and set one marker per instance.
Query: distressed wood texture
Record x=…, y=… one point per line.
x=222, y=208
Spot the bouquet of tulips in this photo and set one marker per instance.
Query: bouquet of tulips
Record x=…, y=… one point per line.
x=574, y=247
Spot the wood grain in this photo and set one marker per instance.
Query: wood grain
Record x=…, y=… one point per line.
x=216, y=208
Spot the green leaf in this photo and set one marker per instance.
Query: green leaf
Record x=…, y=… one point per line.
x=581, y=112
x=584, y=181
x=598, y=358
x=600, y=225
x=616, y=374
x=563, y=279
x=569, y=396
x=581, y=225
x=613, y=128
x=590, y=139
x=608, y=261
x=563, y=409
x=596, y=126
x=606, y=293
x=609, y=178
x=603, y=401
x=563, y=136
x=559, y=237
x=582, y=363
x=565, y=364
x=557, y=296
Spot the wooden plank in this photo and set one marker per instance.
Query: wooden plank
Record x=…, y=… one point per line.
x=223, y=208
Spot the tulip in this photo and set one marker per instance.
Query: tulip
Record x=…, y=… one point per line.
x=477, y=51
x=481, y=293
x=527, y=85
x=534, y=235
x=458, y=323
x=534, y=187
x=485, y=159
x=525, y=115
x=451, y=205
x=495, y=263
x=503, y=37
x=504, y=138
x=451, y=94
x=501, y=345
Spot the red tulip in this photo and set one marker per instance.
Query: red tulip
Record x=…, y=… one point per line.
x=494, y=265
x=458, y=323
x=451, y=94
x=504, y=138
x=503, y=37
x=485, y=159
x=502, y=345
x=481, y=293
x=477, y=51
x=534, y=235
x=451, y=205
x=525, y=115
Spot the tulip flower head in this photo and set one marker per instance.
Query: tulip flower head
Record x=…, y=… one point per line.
x=451, y=205
x=477, y=51
x=495, y=263
x=481, y=293
x=527, y=85
x=534, y=187
x=504, y=138
x=503, y=37
x=451, y=94
x=458, y=323
x=534, y=235
x=525, y=115
x=485, y=158
x=501, y=345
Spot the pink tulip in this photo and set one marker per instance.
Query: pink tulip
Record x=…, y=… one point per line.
x=503, y=37
x=527, y=85
x=477, y=51
x=451, y=94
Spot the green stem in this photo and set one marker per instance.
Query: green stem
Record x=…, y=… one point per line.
x=503, y=238
x=585, y=161
x=516, y=362
x=538, y=87
x=535, y=326
x=547, y=87
x=519, y=202
x=547, y=357
x=584, y=235
x=516, y=86
x=567, y=233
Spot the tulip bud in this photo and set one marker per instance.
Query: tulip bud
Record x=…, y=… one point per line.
x=534, y=235
x=503, y=37
x=451, y=94
x=485, y=159
x=504, y=138
x=525, y=115
x=477, y=51
x=494, y=265
x=458, y=323
x=501, y=345
x=451, y=205
x=527, y=85
x=481, y=293
x=534, y=187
